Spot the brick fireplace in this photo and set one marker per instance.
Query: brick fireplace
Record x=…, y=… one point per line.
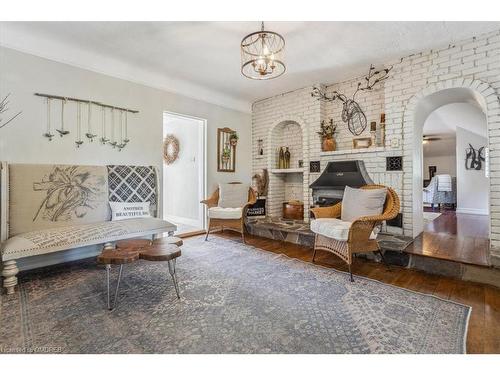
x=472, y=64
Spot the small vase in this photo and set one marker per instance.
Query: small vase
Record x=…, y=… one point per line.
x=281, y=160
x=287, y=158
x=328, y=144
x=234, y=141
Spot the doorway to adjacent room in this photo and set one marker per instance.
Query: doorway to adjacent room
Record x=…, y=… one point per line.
x=184, y=172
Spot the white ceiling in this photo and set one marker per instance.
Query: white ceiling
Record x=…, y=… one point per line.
x=447, y=118
x=202, y=59
x=443, y=122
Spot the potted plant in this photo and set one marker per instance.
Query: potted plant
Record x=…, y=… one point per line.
x=327, y=132
x=233, y=139
x=226, y=154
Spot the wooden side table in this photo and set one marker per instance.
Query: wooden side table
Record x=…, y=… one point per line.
x=129, y=251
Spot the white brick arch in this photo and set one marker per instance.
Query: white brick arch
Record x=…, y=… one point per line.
x=276, y=186
x=412, y=127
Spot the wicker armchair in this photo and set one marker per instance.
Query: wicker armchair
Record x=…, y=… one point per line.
x=360, y=238
x=234, y=221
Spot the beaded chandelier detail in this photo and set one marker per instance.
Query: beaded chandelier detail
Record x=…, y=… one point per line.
x=262, y=54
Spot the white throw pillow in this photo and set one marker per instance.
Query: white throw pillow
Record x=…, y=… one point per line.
x=233, y=195
x=362, y=202
x=129, y=210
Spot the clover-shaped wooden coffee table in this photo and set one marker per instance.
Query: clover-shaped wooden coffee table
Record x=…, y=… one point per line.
x=128, y=251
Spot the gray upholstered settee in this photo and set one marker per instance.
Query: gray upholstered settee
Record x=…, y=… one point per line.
x=47, y=208
x=433, y=196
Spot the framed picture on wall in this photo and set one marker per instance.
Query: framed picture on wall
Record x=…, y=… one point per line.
x=361, y=143
x=226, y=150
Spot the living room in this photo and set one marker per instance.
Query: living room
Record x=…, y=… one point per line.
x=249, y=187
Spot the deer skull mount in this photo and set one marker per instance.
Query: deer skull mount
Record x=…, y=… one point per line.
x=352, y=113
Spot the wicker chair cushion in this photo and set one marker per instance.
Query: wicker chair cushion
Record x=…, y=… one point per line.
x=233, y=195
x=357, y=203
x=334, y=228
x=225, y=213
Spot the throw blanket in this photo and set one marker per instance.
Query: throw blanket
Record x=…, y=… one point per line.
x=444, y=182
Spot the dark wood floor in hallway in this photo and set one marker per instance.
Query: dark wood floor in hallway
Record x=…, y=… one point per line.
x=484, y=325
x=455, y=236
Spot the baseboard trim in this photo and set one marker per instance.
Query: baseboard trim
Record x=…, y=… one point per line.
x=472, y=211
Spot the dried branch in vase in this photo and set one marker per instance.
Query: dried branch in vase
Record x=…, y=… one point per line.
x=3, y=109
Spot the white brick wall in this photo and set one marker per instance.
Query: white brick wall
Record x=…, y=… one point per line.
x=473, y=63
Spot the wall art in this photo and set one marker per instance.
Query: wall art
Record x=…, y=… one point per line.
x=474, y=158
x=171, y=149
x=226, y=150
x=352, y=114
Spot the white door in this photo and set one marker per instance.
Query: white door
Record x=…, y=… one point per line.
x=184, y=179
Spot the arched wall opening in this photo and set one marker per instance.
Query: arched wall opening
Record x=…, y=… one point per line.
x=425, y=106
x=449, y=132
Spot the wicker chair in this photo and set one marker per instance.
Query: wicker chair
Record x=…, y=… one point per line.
x=233, y=223
x=360, y=231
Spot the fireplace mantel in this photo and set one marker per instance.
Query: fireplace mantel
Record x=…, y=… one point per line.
x=352, y=151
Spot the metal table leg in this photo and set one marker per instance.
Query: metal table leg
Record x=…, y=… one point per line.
x=108, y=269
x=171, y=269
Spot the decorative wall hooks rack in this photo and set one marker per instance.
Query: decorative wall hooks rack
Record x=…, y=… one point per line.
x=70, y=99
x=116, y=113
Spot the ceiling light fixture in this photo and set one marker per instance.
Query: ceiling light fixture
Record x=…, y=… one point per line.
x=262, y=55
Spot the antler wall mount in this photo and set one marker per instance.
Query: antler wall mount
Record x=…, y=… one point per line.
x=352, y=114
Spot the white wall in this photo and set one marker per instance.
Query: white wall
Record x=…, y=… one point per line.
x=22, y=141
x=444, y=164
x=472, y=186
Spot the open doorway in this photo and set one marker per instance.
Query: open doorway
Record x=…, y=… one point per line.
x=184, y=174
x=455, y=178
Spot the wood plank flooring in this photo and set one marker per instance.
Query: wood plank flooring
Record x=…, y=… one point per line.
x=458, y=237
x=484, y=326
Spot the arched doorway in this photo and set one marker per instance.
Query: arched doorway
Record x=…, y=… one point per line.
x=416, y=113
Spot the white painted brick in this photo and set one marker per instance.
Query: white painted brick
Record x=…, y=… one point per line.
x=473, y=63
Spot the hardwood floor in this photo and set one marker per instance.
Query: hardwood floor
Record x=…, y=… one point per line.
x=454, y=236
x=484, y=325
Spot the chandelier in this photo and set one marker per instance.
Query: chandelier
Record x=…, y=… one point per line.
x=262, y=55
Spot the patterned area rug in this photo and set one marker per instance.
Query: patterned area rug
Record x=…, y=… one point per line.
x=235, y=299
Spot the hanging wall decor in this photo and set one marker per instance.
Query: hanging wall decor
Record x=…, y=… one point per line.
x=48, y=133
x=474, y=158
x=62, y=132
x=118, y=137
x=170, y=149
x=352, y=114
x=78, y=141
x=112, y=141
x=226, y=152
x=233, y=139
x=90, y=134
x=103, y=138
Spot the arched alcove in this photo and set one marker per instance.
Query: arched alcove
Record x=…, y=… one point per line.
x=286, y=185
